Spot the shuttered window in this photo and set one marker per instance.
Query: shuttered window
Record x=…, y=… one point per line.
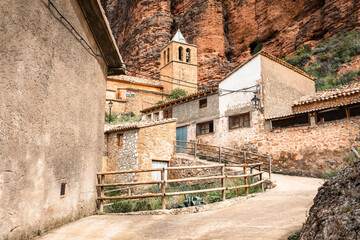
x=205, y=128
x=167, y=113
x=239, y=121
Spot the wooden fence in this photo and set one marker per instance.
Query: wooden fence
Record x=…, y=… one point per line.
x=222, y=154
x=222, y=176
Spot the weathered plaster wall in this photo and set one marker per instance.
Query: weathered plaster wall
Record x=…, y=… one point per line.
x=187, y=112
x=52, y=117
x=281, y=86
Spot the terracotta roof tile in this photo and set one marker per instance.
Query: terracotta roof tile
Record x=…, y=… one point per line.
x=109, y=128
x=182, y=99
x=329, y=94
x=136, y=80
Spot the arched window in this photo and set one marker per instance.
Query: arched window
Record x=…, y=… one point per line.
x=164, y=57
x=168, y=55
x=180, y=53
x=188, y=55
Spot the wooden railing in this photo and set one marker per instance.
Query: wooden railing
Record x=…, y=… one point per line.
x=222, y=154
x=222, y=176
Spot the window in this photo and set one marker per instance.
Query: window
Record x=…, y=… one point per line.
x=164, y=57
x=127, y=94
x=168, y=55
x=187, y=55
x=156, y=116
x=120, y=140
x=203, y=103
x=148, y=117
x=180, y=53
x=239, y=121
x=205, y=128
x=118, y=94
x=168, y=113
x=331, y=114
x=132, y=94
x=293, y=121
x=62, y=189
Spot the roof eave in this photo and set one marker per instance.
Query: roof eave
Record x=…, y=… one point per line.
x=99, y=25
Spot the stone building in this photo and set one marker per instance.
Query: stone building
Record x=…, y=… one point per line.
x=52, y=111
x=253, y=109
x=132, y=94
x=178, y=60
x=138, y=145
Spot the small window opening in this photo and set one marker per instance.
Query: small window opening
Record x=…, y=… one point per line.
x=127, y=94
x=168, y=113
x=187, y=55
x=203, y=103
x=148, y=117
x=205, y=128
x=164, y=57
x=180, y=53
x=294, y=121
x=239, y=121
x=132, y=94
x=331, y=115
x=62, y=189
x=156, y=116
x=168, y=55
x=120, y=140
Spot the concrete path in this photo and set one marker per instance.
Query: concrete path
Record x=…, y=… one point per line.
x=275, y=214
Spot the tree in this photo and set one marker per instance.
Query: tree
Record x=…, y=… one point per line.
x=176, y=93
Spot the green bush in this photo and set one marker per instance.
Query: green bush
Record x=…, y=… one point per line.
x=329, y=55
x=113, y=117
x=177, y=93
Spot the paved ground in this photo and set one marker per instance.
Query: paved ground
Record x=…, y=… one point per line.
x=275, y=214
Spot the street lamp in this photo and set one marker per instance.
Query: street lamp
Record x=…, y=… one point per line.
x=256, y=101
x=110, y=105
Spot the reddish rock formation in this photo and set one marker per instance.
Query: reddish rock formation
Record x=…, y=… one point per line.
x=226, y=31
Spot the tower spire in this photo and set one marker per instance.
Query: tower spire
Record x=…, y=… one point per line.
x=178, y=37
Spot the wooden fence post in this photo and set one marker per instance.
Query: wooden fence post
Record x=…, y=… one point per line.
x=163, y=188
x=270, y=168
x=195, y=149
x=223, y=183
x=244, y=157
x=102, y=181
x=219, y=154
x=174, y=151
x=246, y=181
x=261, y=178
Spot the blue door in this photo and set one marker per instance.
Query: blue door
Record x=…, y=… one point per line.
x=181, y=135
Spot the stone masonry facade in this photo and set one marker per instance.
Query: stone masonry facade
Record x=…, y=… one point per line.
x=142, y=143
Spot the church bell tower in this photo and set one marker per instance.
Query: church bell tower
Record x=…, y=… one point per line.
x=179, y=62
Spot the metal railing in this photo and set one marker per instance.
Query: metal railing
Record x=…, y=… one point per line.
x=221, y=154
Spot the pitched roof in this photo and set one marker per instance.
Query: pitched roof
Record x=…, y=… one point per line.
x=180, y=100
x=136, y=80
x=99, y=25
x=271, y=57
x=135, y=125
x=178, y=37
x=329, y=94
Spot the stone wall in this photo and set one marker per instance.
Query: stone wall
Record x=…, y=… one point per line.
x=121, y=158
x=52, y=115
x=140, y=147
x=303, y=150
x=156, y=143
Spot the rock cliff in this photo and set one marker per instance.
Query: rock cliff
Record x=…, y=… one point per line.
x=336, y=210
x=225, y=31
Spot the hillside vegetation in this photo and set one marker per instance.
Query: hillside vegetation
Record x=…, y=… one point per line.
x=326, y=59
